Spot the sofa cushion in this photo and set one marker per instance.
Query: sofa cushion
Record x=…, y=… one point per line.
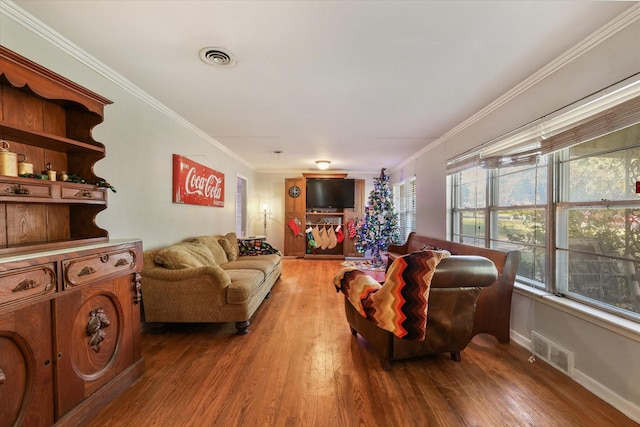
x=214, y=246
x=229, y=243
x=243, y=285
x=264, y=263
x=184, y=255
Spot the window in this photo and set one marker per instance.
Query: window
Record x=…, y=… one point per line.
x=565, y=198
x=241, y=206
x=599, y=247
x=469, y=207
x=405, y=203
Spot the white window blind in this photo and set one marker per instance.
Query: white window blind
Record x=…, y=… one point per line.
x=405, y=202
x=609, y=110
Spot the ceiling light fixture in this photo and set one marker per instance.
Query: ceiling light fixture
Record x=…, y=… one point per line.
x=217, y=56
x=323, y=164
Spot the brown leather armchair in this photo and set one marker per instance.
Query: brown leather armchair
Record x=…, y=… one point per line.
x=451, y=300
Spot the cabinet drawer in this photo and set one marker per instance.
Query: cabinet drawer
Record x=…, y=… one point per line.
x=27, y=190
x=27, y=283
x=99, y=266
x=83, y=193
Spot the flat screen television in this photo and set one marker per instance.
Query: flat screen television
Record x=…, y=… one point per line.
x=323, y=193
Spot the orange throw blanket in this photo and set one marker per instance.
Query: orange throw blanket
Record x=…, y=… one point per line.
x=400, y=304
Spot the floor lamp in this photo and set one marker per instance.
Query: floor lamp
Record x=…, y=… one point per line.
x=265, y=213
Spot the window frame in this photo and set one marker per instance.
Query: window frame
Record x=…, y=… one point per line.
x=594, y=117
x=405, y=206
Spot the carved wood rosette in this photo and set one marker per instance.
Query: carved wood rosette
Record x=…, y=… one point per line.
x=98, y=320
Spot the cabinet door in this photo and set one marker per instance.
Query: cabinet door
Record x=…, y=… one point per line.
x=94, y=338
x=26, y=368
x=294, y=207
x=295, y=199
x=349, y=243
x=295, y=244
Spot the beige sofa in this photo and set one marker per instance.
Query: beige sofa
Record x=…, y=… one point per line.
x=206, y=280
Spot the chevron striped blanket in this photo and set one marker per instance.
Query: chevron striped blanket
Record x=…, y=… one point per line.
x=400, y=304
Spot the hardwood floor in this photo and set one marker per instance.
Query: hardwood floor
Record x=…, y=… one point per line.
x=300, y=366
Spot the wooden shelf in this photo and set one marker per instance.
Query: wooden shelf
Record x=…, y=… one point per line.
x=325, y=175
x=46, y=140
x=326, y=213
x=49, y=120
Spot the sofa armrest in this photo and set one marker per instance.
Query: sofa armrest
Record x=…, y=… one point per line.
x=464, y=271
x=185, y=295
x=169, y=275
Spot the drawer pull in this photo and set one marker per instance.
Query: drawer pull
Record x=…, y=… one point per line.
x=97, y=322
x=25, y=285
x=3, y=377
x=18, y=189
x=84, y=194
x=121, y=262
x=86, y=271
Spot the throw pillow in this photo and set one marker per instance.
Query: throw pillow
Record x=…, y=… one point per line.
x=184, y=255
x=214, y=246
x=231, y=249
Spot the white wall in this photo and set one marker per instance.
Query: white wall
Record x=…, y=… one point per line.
x=140, y=141
x=606, y=358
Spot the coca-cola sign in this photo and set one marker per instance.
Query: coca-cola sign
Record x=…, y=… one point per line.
x=195, y=184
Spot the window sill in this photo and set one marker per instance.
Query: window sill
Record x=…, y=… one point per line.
x=611, y=322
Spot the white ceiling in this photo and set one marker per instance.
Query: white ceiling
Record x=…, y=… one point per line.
x=365, y=84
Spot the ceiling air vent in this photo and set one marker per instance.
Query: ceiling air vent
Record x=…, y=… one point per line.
x=217, y=56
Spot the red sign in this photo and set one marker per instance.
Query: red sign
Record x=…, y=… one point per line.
x=195, y=184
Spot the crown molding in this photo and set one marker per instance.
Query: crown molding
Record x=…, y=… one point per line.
x=31, y=23
x=614, y=26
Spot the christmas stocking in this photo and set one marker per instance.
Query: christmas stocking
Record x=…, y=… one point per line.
x=351, y=226
x=293, y=226
x=333, y=241
x=316, y=236
x=324, y=239
x=339, y=234
x=310, y=241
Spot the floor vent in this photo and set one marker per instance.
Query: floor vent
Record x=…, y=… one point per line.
x=552, y=353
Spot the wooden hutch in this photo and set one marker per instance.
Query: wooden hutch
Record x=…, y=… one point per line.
x=69, y=297
x=296, y=208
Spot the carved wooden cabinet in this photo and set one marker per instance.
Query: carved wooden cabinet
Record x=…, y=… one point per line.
x=69, y=297
x=69, y=332
x=48, y=120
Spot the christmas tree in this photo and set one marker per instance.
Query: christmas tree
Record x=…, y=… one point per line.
x=379, y=228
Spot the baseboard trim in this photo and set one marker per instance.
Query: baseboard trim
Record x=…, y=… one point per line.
x=630, y=409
